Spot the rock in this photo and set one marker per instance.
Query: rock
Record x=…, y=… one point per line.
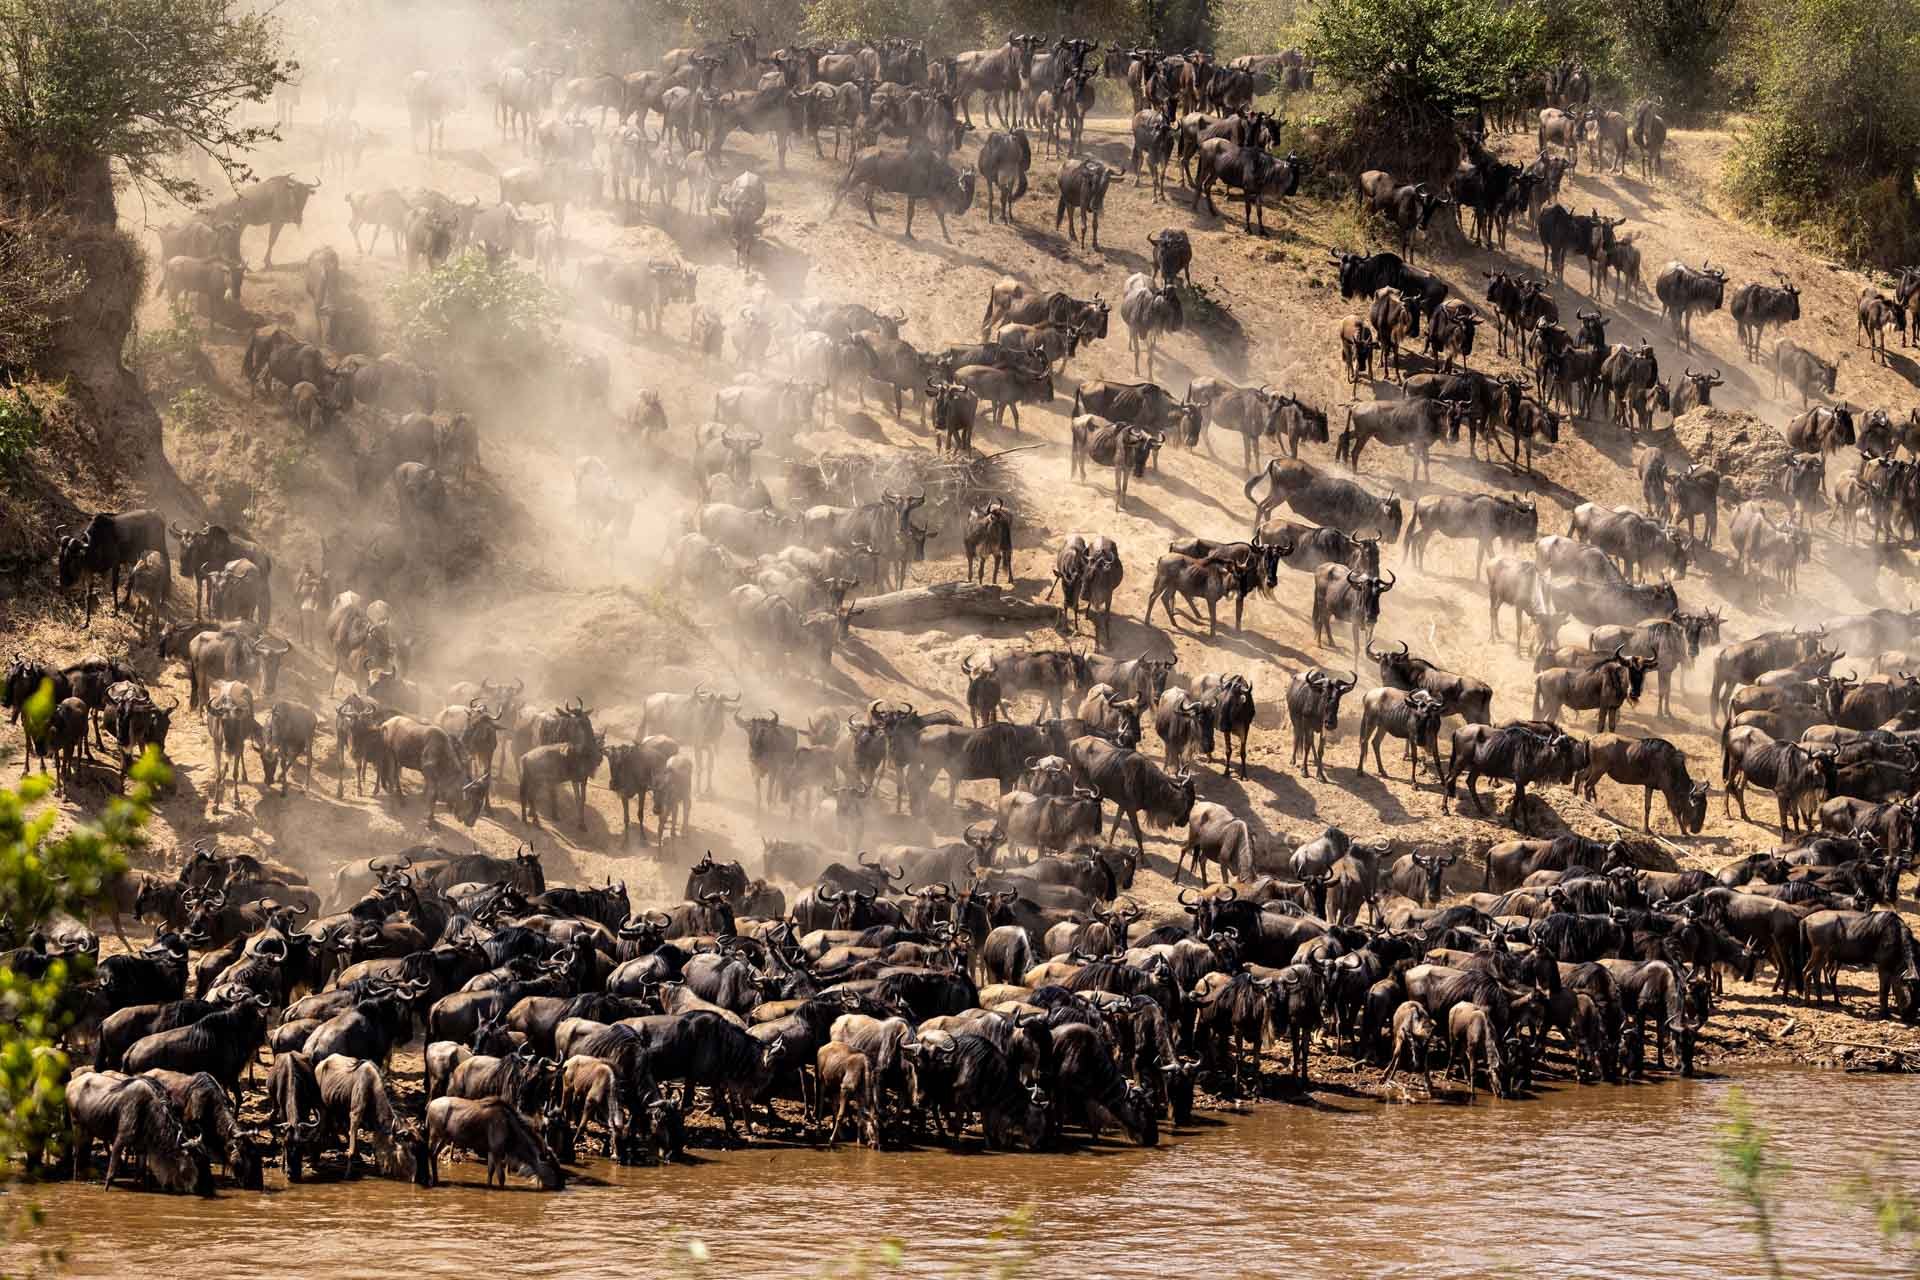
x=1746, y=452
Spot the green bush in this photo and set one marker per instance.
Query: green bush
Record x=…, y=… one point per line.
x=1406, y=68
x=20, y=423
x=496, y=318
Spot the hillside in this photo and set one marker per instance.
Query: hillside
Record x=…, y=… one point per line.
x=534, y=599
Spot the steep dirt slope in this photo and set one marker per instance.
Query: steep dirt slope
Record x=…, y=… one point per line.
x=539, y=602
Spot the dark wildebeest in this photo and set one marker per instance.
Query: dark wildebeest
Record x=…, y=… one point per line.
x=1486, y=518
x=1648, y=763
x=1332, y=502
x=1127, y=449
x=989, y=540
x=1685, y=292
x=1313, y=711
x=1134, y=784
x=1756, y=307
x=1252, y=171
x=104, y=544
x=273, y=204
x=1153, y=142
x=1172, y=256
x=1417, y=424
x=1004, y=161
x=1760, y=543
x=1517, y=752
x=1342, y=595
x=1083, y=192
x=1364, y=276
x=1149, y=312
x=1463, y=696
x=1877, y=313
x=916, y=173
x=1799, y=779
x=1412, y=717
x=1882, y=939
x=1806, y=372
x=1408, y=206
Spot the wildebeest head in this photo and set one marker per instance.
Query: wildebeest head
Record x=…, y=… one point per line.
x=1332, y=689
x=1397, y=670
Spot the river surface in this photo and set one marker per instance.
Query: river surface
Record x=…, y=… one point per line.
x=1589, y=1182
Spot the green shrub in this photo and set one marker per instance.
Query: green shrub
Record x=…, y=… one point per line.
x=172, y=345
x=466, y=312
x=1406, y=68
x=20, y=423
x=191, y=409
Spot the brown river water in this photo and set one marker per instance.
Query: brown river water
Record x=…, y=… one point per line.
x=1588, y=1182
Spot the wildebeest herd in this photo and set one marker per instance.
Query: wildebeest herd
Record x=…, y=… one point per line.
x=1003, y=978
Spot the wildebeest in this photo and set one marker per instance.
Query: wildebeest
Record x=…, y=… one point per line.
x=1486, y=518
x=1083, y=193
x=1408, y=206
x=1004, y=161
x=1250, y=170
x=1007, y=388
x=918, y=174
x=1412, y=717
x=1517, y=752
x=1760, y=543
x=1329, y=501
x=1126, y=448
x=1799, y=779
x=1878, y=938
x=1649, y=763
x=1209, y=577
x=106, y=543
x=1806, y=372
x=1172, y=256
x=1601, y=687
x=1342, y=595
x=1148, y=312
x=1394, y=317
x=1416, y=423
x=1685, y=292
x=272, y=203
x=140, y=1125
x=1756, y=307
x=1464, y=696
x=493, y=1128
x=1134, y=785
x=989, y=540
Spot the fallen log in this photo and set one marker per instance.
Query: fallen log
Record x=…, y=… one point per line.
x=926, y=605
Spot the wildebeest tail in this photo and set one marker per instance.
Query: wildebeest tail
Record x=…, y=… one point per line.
x=1726, y=747
x=1076, y=390
x=1246, y=489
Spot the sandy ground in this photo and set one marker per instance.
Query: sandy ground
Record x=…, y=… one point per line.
x=541, y=604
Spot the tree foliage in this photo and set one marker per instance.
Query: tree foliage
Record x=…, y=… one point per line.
x=1428, y=55
x=1405, y=70
x=1258, y=26
x=1830, y=150
x=1673, y=48
x=36, y=282
x=84, y=83
x=40, y=876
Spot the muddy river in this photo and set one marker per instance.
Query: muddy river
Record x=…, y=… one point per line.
x=1598, y=1181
